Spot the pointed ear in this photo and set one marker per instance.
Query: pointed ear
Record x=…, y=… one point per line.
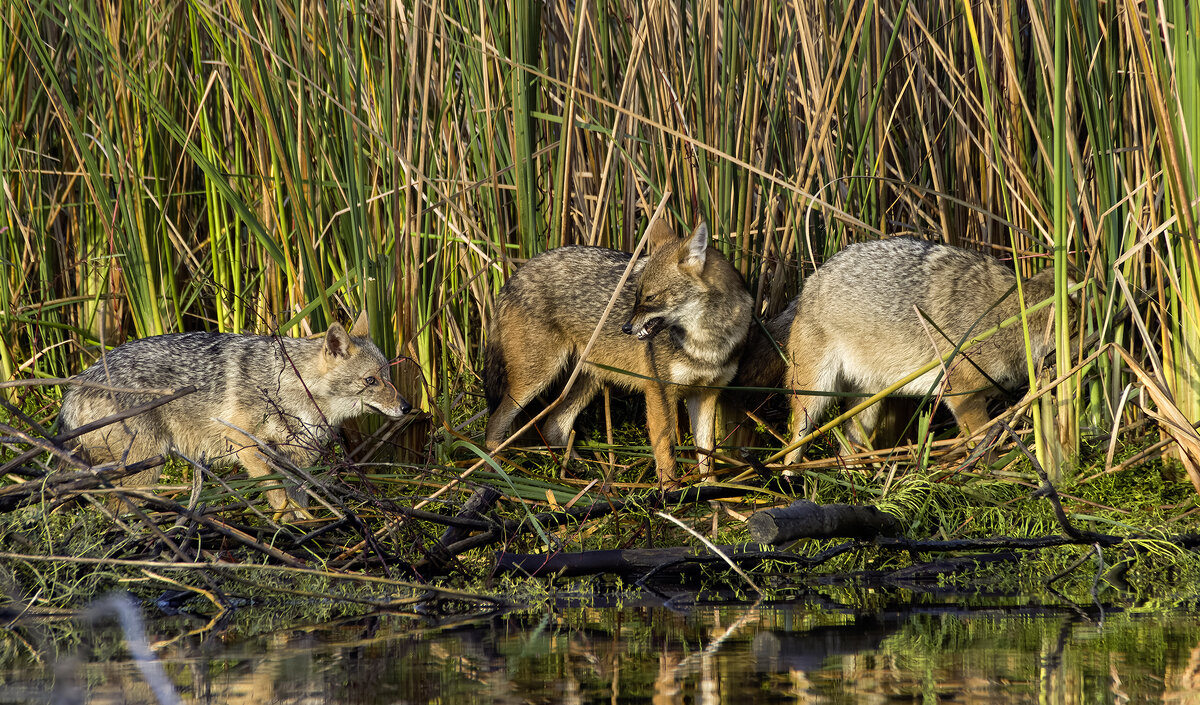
x=337, y=342
x=361, y=327
x=1077, y=296
x=692, y=252
x=661, y=235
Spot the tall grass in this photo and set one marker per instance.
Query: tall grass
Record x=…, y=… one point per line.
x=246, y=164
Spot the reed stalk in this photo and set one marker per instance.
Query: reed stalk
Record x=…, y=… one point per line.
x=255, y=164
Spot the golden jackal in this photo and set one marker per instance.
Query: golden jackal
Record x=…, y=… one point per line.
x=289, y=393
x=685, y=311
x=877, y=311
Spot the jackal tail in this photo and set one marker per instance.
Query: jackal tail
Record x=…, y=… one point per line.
x=495, y=375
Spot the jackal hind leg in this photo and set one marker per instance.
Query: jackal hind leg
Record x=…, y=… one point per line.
x=860, y=428
x=523, y=385
x=970, y=411
x=109, y=447
x=556, y=427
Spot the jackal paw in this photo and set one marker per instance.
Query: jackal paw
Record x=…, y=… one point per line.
x=290, y=514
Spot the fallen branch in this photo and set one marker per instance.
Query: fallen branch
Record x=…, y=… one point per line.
x=166, y=505
x=645, y=562
x=63, y=483
x=547, y=520
x=480, y=502
x=805, y=519
x=419, y=593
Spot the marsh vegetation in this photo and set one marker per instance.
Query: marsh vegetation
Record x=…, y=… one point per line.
x=274, y=167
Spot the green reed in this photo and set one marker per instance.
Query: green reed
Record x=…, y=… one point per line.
x=247, y=164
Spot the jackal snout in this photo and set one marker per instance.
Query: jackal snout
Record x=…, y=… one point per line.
x=355, y=377
x=673, y=288
x=382, y=396
x=646, y=328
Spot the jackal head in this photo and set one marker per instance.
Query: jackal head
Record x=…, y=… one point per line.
x=355, y=375
x=671, y=289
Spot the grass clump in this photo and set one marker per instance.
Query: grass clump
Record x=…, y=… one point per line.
x=273, y=169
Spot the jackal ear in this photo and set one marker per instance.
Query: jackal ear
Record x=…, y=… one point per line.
x=694, y=250
x=337, y=342
x=1076, y=296
x=661, y=235
x=361, y=327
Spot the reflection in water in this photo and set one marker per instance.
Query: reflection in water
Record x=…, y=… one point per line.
x=785, y=653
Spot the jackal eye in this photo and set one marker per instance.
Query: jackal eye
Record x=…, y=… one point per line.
x=370, y=381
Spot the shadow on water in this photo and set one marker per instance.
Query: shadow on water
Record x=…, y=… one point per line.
x=893, y=646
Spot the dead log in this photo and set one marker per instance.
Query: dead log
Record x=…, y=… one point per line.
x=805, y=519
x=619, y=562
x=548, y=520
x=638, y=562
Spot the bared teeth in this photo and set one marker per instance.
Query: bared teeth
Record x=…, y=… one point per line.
x=650, y=328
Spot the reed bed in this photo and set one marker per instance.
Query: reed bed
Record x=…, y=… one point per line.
x=255, y=165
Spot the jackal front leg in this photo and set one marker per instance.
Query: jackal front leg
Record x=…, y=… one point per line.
x=256, y=466
x=702, y=411
x=662, y=403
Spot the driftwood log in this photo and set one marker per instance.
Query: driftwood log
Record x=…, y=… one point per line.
x=635, y=561
x=505, y=531
x=804, y=519
x=645, y=562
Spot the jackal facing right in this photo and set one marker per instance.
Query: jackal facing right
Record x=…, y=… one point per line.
x=289, y=393
x=877, y=311
x=685, y=312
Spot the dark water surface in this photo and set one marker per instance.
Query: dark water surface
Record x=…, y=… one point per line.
x=902, y=649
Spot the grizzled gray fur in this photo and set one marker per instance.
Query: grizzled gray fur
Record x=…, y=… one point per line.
x=289, y=393
x=877, y=311
x=675, y=333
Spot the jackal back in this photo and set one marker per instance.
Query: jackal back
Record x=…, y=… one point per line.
x=877, y=311
x=288, y=393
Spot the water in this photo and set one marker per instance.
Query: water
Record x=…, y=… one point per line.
x=903, y=648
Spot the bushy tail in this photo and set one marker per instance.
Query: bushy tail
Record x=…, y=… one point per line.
x=761, y=364
x=495, y=374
